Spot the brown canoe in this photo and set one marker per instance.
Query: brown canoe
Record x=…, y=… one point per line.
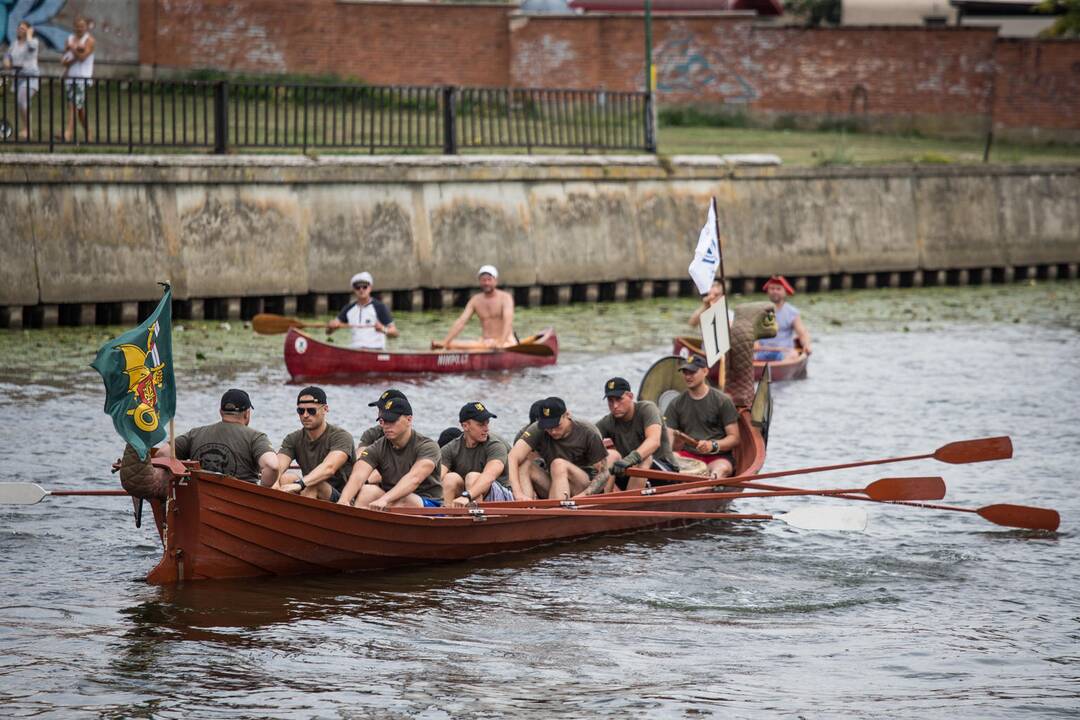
x=214, y=526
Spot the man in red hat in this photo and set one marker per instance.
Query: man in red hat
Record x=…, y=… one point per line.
x=787, y=320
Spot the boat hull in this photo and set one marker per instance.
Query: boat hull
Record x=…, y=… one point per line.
x=216, y=527
x=793, y=368
x=309, y=359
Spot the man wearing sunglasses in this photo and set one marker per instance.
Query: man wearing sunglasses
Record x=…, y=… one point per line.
x=707, y=415
x=368, y=317
x=324, y=452
x=407, y=461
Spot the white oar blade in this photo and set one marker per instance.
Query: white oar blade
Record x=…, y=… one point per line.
x=825, y=518
x=21, y=493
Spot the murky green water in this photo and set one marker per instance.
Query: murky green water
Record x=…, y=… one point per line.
x=926, y=615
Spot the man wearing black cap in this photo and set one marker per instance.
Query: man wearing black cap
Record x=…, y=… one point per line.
x=407, y=461
x=231, y=447
x=707, y=415
x=324, y=452
x=637, y=432
x=572, y=449
x=474, y=464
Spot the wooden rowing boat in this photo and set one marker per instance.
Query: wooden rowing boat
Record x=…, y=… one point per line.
x=214, y=527
x=307, y=358
x=793, y=368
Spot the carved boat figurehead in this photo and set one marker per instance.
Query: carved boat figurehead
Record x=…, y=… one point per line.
x=753, y=321
x=142, y=478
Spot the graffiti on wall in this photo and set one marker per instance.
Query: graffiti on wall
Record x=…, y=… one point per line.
x=686, y=65
x=36, y=12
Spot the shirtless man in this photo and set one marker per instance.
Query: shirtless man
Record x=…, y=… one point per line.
x=494, y=307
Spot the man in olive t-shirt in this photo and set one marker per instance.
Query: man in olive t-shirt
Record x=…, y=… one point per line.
x=324, y=452
x=572, y=450
x=474, y=464
x=407, y=461
x=708, y=416
x=230, y=447
x=637, y=432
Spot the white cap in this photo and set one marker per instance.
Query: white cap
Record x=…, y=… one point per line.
x=489, y=269
x=362, y=277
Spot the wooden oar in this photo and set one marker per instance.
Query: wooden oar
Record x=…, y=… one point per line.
x=528, y=346
x=1017, y=516
x=807, y=518
x=964, y=451
x=29, y=493
x=271, y=324
x=907, y=488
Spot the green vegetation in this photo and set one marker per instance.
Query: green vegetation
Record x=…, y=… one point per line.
x=54, y=360
x=808, y=148
x=1068, y=23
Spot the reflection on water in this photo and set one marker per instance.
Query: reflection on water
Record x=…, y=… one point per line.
x=927, y=614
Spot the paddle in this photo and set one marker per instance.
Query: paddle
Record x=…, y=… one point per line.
x=528, y=346
x=1017, y=516
x=807, y=518
x=964, y=451
x=910, y=488
x=271, y=324
x=29, y=493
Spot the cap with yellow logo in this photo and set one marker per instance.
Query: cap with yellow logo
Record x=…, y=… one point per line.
x=475, y=411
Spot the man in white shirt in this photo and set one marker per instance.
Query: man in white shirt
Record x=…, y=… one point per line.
x=368, y=317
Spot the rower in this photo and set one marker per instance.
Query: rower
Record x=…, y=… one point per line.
x=789, y=324
x=707, y=415
x=638, y=435
x=533, y=468
x=375, y=432
x=230, y=447
x=407, y=461
x=494, y=307
x=368, y=317
x=474, y=464
x=324, y=452
x=572, y=450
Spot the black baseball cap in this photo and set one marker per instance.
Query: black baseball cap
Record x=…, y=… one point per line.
x=317, y=394
x=393, y=408
x=534, y=411
x=551, y=411
x=475, y=411
x=387, y=394
x=235, y=401
x=616, y=387
x=694, y=362
x=449, y=435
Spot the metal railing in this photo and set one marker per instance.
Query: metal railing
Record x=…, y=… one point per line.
x=224, y=117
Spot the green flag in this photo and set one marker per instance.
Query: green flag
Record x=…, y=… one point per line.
x=140, y=391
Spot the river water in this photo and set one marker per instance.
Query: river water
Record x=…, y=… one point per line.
x=927, y=614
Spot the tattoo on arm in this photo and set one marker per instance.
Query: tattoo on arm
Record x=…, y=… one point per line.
x=598, y=483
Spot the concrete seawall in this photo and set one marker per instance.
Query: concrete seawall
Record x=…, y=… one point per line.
x=87, y=237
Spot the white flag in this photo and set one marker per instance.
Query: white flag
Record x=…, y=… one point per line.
x=707, y=255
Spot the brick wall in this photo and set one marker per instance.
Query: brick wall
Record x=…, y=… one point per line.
x=941, y=80
x=379, y=43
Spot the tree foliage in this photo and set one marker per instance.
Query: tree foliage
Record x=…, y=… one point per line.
x=1068, y=23
x=815, y=12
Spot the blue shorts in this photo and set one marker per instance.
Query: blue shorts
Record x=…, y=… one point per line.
x=498, y=493
x=769, y=355
x=428, y=502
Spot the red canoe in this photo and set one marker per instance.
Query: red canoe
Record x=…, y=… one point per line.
x=793, y=368
x=309, y=359
x=214, y=527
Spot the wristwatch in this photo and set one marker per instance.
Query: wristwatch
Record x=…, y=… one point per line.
x=466, y=494
x=715, y=447
x=301, y=483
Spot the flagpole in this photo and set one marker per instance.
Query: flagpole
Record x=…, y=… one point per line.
x=719, y=250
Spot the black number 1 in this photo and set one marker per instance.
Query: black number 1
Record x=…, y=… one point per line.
x=715, y=334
